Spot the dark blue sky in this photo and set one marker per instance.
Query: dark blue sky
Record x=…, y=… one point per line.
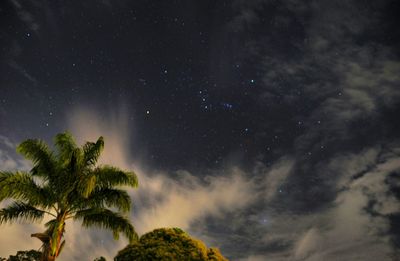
x=302, y=97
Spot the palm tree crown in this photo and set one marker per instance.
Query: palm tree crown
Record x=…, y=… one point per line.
x=67, y=184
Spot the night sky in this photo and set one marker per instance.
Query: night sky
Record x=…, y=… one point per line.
x=267, y=128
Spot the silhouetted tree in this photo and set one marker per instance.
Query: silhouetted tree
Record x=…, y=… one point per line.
x=28, y=255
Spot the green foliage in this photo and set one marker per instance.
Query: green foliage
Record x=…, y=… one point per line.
x=168, y=244
x=100, y=259
x=214, y=254
x=107, y=219
x=20, y=210
x=67, y=184
x=31, y=255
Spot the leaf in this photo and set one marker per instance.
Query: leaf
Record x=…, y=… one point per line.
x=20, y=210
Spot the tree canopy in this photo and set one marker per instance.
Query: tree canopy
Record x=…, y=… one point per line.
x=27, y=255
x=168, y=244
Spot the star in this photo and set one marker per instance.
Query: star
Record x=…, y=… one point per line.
x=227, y=105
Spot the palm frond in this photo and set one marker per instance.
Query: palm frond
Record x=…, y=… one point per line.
x=20, y=210
x=108, y=176
x=51, y=224
x=92, y=151
x=71, y=186
x=106, y=197
x=21, y=186
x=107, y=219
x=44, y=237
x=86, y=184
x=66, y=145
x=38, y=152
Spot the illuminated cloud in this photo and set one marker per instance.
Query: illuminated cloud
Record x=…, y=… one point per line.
x=162, y=199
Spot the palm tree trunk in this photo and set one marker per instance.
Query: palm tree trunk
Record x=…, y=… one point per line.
x=55, y=246
x=51, y=242
x=48, y=258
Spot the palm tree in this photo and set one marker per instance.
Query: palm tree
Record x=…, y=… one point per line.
x=66, y=184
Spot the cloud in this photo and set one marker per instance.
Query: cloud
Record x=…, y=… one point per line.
x=356, y=219
x=16, y=237
x=322, y=68
x=187, y=199
x=274, y=177
x=22, y=71
x=10, y=242
x=6, y=142
x=179, y=199
x=329, y=68
x=9, y=160
x=356, y=225
x=26, y=16
x=307, y=244
x=328, y=196
x=353, y=232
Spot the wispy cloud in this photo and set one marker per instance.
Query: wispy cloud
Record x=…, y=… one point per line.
x=9, y=161
x=182, y=199
x=357, y=225
x=26, y=16
x=23, y=72
x=10, y=242
x=178, y=199
x=329, y=197
x=338, y=202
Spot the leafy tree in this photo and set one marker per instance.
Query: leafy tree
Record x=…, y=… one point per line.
x=29, y=255
x=67, y=184
x=168, y=244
